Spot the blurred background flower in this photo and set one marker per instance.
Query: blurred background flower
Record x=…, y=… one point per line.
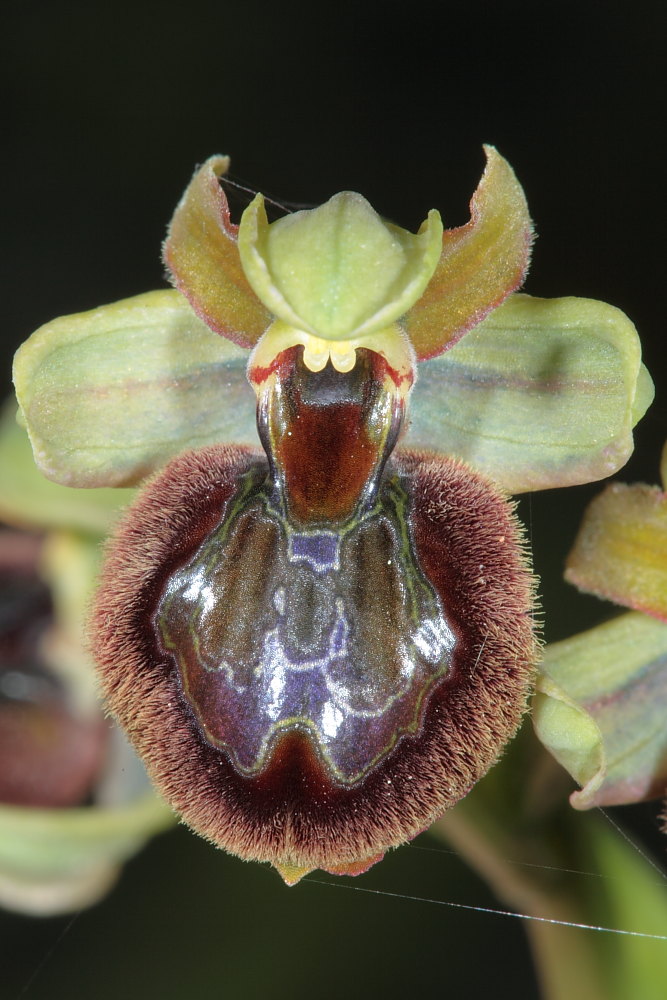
x=601, y=695
x=108, y=107
x=75, y=802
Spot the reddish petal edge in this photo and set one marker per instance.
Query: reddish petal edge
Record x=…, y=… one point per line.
x=482, y=262
x=202, y=258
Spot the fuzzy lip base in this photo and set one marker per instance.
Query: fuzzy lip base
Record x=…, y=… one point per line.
x=469, y=545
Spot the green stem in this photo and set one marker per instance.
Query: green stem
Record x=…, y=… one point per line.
x=566, y=965
x=517, y=830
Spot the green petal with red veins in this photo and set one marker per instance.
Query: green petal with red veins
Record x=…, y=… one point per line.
x=29, y=500
x=110, y=395
x=543, y=393
x=202, y=256
x=480, y=264
x=338, y=271
x=600, y=710
x=621, y=549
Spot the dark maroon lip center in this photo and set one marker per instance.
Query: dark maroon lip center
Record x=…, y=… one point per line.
x=328, y=434
x=341, y=641
x=305, y=610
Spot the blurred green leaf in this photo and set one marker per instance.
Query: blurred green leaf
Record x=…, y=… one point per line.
x=54, y=860
x=29, y=500
x=632, y=897
x=545, y=860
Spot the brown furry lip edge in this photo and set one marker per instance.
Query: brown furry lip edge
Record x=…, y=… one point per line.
x=469, y=543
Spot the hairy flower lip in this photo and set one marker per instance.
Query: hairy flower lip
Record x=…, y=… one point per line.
x=291, y=809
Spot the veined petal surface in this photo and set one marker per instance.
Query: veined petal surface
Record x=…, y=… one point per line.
x=110, y=395
x=543, y=393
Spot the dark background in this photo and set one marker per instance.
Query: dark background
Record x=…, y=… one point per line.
x=108, y=107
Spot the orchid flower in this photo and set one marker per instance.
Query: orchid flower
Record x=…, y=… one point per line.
x=600, y=698
x=319, y=646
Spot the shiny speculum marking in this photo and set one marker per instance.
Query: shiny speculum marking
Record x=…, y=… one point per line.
x=342, y=640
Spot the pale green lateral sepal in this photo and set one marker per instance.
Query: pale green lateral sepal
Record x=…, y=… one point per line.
x=110, y=395
x=600, y=710
x=338, y=271
x=543, y=393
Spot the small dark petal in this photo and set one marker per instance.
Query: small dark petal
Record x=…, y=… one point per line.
x=49, y=755
x=292, y=810
x=25, y=603
x=50, y=758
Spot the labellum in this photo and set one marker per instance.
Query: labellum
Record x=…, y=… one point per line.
x=320, y=647
x=319, y=650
